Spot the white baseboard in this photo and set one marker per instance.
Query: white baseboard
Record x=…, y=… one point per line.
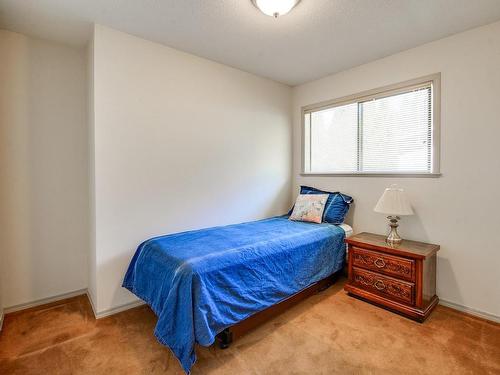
x=113, y=310
x=116, y=310
x=43, y=301
x=89, y=297
x=59, y=297
x=470, y=311
x=461, y=308
x=131, y=305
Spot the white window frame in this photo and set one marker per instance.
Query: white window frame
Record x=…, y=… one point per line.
x=381, y=92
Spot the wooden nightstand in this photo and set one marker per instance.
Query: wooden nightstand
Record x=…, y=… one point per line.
x=400, y=277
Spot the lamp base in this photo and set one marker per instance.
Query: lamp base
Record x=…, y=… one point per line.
x=393, y=237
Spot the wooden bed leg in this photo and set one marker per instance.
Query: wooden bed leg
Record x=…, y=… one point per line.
x=225, y=338
x=331, y=280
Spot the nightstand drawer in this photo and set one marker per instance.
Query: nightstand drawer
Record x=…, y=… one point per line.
x=383, y=285
x=401, y=268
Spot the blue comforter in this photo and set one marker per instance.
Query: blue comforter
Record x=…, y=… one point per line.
x=200, y=282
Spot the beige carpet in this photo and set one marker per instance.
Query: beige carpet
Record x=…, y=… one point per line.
x=329, y=333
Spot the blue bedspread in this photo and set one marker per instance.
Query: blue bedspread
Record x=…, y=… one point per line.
x=200, y=282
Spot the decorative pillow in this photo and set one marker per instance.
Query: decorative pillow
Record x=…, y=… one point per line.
x=336, y=207
x=309, y=207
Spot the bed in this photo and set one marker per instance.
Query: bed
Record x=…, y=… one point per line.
x=201, y=282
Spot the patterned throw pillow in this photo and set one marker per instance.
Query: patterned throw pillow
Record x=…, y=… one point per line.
x=309, y=207
x=336, y=207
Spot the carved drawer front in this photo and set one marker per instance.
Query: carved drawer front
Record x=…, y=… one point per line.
x=401, y=268
x=383, y=285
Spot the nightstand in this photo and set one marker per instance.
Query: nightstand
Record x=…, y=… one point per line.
x=401, y=278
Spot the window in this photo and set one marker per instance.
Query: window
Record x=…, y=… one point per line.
x=392, y=130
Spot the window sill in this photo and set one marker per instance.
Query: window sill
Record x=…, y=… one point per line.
x=365, y=174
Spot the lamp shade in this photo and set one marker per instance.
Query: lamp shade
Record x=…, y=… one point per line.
x=394, y=202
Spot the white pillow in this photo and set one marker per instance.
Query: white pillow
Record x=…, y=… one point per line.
x=309, y=207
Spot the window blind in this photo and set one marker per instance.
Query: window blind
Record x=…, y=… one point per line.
x=388, y=132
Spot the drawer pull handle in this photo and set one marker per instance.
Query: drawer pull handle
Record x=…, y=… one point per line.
x=379, y=263
x=379, y=285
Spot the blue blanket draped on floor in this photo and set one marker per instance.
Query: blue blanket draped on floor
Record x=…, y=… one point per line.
x=200, y=282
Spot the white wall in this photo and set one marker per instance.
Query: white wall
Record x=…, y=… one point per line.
x=459, y=210
x=43, y=167
x=180, y=143
x=92, y=263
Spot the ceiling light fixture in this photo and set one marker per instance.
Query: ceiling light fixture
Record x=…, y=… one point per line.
x=275, y=8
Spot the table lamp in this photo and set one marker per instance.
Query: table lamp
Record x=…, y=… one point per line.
x=394, y=203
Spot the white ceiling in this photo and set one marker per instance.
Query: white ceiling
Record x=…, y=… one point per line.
x=317, y=38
